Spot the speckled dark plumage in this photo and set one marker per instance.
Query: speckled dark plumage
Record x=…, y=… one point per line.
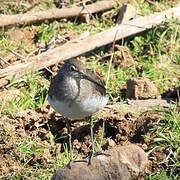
x=77, y=93
x=88, y=83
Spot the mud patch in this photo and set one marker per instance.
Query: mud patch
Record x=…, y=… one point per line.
x=43, y=125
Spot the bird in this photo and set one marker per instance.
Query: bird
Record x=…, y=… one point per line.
x=77, y=93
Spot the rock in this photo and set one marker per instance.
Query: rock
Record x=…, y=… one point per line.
x=125, y=162
x=141, y=88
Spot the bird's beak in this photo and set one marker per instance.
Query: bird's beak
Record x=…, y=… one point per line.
x=84, y=76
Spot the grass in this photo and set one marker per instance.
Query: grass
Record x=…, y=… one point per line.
x=13, y=7
x=162, y=175
x=147, y=7
x=168, y=137
x=156, y=51
x=33, y=93
x=47, y=32
x=99, y=140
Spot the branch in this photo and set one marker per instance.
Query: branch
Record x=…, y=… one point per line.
x=73, y=49
x=135, y=106
x=8, y=20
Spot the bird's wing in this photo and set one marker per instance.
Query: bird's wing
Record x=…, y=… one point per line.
x=97, y=81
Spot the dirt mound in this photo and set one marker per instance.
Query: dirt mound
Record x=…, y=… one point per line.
x=41, y=126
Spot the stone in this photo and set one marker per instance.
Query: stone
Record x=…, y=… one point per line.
x=125, y=163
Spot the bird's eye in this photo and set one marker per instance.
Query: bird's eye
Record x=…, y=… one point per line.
x=73, y=68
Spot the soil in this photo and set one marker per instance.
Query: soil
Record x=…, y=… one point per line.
x=141, y=88
x=122, y=56
x=43, y=125
x=40, y=126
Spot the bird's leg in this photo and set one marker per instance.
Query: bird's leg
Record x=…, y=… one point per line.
x=69, y=138
x=70, y=146
x=92, y=140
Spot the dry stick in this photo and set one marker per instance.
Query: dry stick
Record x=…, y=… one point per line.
x=90, y=43
x=17, y=54
x=155, y=4
x=8, y=20
x=173, y=41
x=110, y=63
x=5, y=61
x=137, y=105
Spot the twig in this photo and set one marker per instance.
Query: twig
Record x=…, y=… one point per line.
x=88, y=11
x=31, y=53
x=110, y=64
x=5, y=61
x=50, y=71
x=138, y=105
x=178, y=97
x=155, y=4
x=52, y=14
x=173, y=41
x=17, y=54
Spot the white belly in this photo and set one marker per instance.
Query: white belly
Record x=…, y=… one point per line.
x=79, y=110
